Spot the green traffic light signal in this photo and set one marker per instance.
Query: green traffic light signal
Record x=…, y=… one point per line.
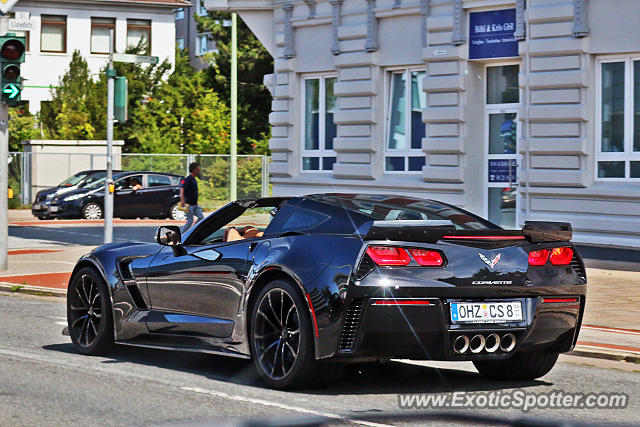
x=12, y=50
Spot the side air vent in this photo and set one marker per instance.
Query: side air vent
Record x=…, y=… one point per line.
x=131, y=285
x=136, y=296
x=351, y=325
x=578, y=267
x=366, y=265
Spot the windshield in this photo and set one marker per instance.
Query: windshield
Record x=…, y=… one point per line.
x=93, y=178
x=73, y=180
x=95, y=184
x=391, y=208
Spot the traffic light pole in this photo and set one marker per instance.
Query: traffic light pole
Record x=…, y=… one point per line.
x=4, y=169
x=233, y=170
x=108, y=190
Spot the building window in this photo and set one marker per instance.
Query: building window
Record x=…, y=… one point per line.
x=202, y=11
x=201, y=45
x=179, y=13
x=618, y=153
x=139, y=33
x=404, y=135
x=100, y=28
x=53, y=37
x=318, y=126
x=180, y=43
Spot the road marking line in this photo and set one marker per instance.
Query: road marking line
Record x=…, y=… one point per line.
x=278, y=405
x=109, y=370
x=57, y=317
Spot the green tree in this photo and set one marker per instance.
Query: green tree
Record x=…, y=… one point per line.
x=254, y=61
x=72, y=112
x=22, y=126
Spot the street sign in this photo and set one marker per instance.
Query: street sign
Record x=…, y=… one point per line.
x=7, y=5
x=11, y=90
x=134, y=59
x=16, y=25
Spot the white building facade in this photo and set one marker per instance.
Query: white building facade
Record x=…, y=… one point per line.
x=62, y=27
x=513, y=110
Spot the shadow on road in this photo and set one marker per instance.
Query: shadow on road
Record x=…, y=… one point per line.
x=389, y=378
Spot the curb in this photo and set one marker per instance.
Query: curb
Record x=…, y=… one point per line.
x=32, y=290
x=602, y=354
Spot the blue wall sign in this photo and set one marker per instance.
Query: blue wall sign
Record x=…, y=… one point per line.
x=491, y=34
x=503, y=170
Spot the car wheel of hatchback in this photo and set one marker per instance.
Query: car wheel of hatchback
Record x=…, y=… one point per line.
x=176, y=214
x=92, y=211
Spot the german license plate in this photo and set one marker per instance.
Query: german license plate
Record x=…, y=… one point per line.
x=36, y=206
x=53, y=208
x=486, y=312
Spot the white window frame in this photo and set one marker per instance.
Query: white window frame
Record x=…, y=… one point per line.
x=321, y=152
x=628, y=155
x=400, y=152
x=199, y=39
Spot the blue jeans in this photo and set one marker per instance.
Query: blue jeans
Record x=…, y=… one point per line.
x=194, y=210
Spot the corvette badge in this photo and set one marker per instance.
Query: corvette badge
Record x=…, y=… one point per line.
x=491, y=263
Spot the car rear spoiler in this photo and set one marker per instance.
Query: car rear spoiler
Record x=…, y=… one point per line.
x=433, y=231
x=406, y=230
x=546, y=231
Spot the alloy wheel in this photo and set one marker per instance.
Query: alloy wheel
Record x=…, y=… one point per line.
x=276, y=333
x=177, y=214
x=92, y=211
x=85, y=311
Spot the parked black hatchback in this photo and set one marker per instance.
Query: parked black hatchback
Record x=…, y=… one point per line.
x=137, y=194
x=80, y=180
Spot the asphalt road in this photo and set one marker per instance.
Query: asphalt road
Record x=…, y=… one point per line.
x=44, y=382
x=84, y=235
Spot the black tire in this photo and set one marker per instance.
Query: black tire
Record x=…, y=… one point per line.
x=89, y=315
x=519, y=367
x=43, y=218
x=92, y=210
x=296, y=367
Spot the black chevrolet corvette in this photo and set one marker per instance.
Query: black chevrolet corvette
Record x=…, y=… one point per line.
x=303, y=285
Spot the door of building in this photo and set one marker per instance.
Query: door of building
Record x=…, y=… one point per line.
x=502, y=130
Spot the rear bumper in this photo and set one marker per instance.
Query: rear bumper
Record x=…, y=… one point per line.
x=425, y=331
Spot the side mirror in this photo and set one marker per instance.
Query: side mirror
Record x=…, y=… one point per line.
x=168, y=235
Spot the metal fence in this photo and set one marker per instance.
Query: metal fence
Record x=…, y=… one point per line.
x=32, y=172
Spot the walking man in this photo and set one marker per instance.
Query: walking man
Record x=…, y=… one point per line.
x=189, y=196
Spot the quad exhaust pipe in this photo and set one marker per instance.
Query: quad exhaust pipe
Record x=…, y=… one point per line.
x=489, y=343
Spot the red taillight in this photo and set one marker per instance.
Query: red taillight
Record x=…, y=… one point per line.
x=387, y=301
x=538, y=257
x=561, y=256
x=388, y=255
x=427, y=258
x=560, y=300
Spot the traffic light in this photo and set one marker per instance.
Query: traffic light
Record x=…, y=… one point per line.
x=11, y=56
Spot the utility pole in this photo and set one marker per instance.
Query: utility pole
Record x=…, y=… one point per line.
x=233, y=172
x=4, y=168
x=108, y=185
